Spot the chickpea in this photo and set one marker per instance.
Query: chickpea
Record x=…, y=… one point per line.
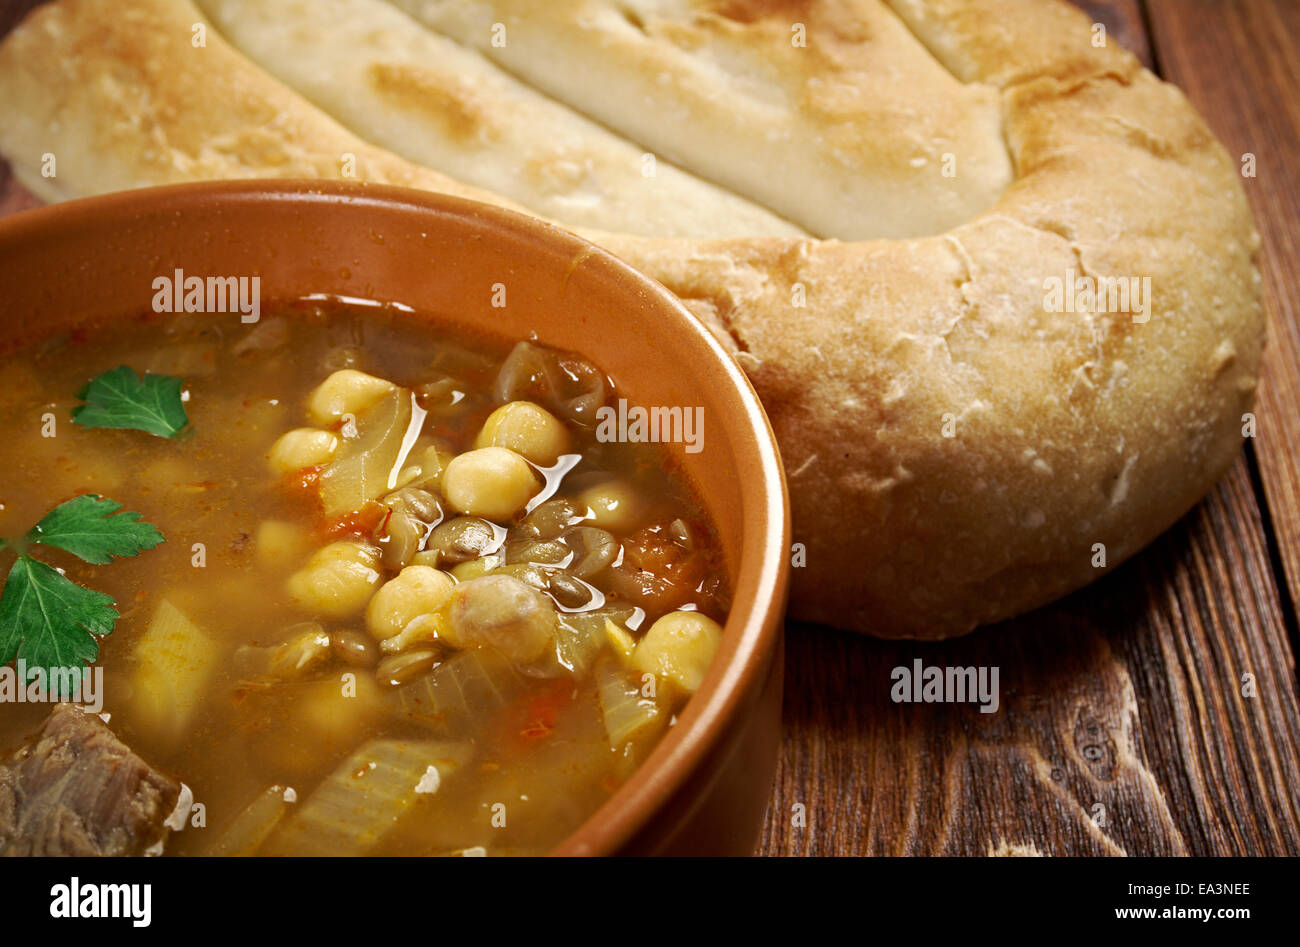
x=679, y=647
x=491, y=482
x=302, y=447
x=423, y=629
x=503, y=613
x=332, y=716
x=338, y=580
x=170, y=473
x=526, y=429
x=345, y=392
x=414, y=592
x=278, y=543
x=616, y=506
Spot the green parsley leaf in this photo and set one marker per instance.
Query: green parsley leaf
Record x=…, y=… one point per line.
x=122, y=399
x=86, y=527
x=48, y=620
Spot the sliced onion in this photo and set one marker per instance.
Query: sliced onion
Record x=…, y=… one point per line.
x=463, y=693
x=628, y=715
x=363, y=464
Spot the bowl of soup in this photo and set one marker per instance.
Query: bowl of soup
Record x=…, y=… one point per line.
x=379, y=522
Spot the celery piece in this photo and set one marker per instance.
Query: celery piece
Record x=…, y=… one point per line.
x=174, y=661
x=366, y=797
x=247, y=831
x=458, y=695
x=628, y=715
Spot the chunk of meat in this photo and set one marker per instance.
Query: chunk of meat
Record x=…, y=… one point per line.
x=78, y=790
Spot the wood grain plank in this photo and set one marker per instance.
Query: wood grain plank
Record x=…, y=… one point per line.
x=1127, y=696
x=1239, y=63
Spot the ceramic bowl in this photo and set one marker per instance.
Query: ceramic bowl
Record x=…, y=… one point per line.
x=705, y=788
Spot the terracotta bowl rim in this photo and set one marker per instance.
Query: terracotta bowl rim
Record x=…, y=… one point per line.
x=754, y=625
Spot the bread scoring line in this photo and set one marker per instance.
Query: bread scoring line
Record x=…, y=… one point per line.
x=679, y=66
x=380, y=68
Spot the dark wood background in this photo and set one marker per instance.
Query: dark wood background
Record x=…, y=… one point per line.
x=1155, y=712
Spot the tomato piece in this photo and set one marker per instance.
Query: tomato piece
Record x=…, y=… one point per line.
x=652, y=550
x=536, y=717
x=308, y=478
x=360, y=523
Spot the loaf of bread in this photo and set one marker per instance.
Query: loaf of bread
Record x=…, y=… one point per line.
x=993, y=280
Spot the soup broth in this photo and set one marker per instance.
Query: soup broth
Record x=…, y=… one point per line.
x=408, y=602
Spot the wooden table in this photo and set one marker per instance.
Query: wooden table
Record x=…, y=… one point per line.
x=1156, y=712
